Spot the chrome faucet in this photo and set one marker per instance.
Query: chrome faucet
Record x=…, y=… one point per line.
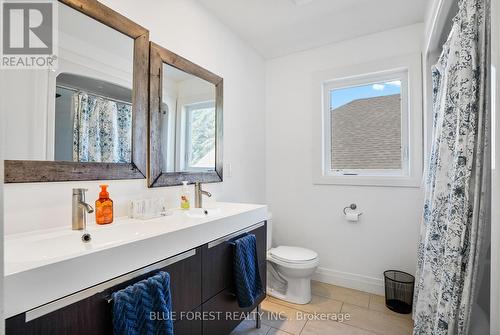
x=198, y=193
x=80, y=209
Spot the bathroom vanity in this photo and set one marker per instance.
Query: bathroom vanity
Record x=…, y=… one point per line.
x=66, y=288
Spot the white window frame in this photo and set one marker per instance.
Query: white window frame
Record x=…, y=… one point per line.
x=367, y=80
x=185, y=131
x=408, y=70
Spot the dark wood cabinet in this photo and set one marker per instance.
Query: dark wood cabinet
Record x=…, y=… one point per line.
x=185, y=283
x=88, y=316
x=217, y=261
x=228, y=314
x=200, y=282
x=225, y=306
x=217, y=267
x=93, y=315
x=190, y=324
x=218, y=292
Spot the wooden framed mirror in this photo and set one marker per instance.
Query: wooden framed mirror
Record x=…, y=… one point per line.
x=185, y=121
x=86, y=119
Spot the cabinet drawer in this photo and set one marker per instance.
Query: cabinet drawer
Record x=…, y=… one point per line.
x=88, y=316
x=188, y=326
x=93, y=314
x=222, y=305
x=217, y=261
x=185, y=282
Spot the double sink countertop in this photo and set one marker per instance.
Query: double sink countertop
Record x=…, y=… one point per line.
x=46, y=265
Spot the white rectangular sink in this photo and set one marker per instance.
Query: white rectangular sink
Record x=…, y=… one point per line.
x=30, y=250
x=42, y=266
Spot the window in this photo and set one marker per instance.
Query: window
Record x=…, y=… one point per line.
x=370, y=129
x=366, y=120
x=199, y=139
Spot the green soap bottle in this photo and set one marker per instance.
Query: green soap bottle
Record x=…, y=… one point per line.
x=185, y=201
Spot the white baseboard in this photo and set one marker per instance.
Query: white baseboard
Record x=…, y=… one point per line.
x=350, y=280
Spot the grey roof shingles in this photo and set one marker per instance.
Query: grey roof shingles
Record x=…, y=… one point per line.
x=366, y=134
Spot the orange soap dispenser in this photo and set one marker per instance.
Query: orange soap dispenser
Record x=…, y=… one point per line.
x=103, y=207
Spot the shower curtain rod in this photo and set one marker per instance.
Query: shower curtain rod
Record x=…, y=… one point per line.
x=75, y=89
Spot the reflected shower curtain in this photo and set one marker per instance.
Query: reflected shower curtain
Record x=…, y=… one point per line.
x=102, y=130
x=456, y=210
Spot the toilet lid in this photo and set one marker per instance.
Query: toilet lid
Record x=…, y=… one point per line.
x=293, y=254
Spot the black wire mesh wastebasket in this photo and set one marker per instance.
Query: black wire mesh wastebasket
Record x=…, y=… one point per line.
x=399, y=291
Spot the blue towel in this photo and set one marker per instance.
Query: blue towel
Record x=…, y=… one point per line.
x=133, y=305
x=246, y=271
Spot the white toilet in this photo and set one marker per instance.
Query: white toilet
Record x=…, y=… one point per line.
x=289, y=271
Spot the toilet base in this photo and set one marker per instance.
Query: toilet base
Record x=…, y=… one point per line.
x=298, y=291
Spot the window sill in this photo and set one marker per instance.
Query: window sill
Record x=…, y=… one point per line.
x=381, y=181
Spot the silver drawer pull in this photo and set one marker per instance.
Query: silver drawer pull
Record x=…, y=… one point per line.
x=75, y=297
x=233, y=235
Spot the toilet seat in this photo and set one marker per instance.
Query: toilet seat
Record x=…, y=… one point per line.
x=293, y=257
x=293, y=254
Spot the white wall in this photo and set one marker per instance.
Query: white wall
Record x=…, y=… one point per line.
x=2, y=326
x=185, y=28
x=353, y=255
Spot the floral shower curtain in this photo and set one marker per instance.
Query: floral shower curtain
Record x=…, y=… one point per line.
x=102, y=130
x=456, y=210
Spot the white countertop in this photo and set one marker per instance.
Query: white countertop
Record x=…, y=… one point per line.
x=43, y=266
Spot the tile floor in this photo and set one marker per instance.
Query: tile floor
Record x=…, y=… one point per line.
x=367, y=315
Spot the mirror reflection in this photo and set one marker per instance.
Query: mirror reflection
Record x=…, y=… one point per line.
x=89, y=126
x=82, y=111
x=187, y=122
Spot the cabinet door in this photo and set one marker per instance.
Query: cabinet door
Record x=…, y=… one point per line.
x=217, y=261
x=93, y=315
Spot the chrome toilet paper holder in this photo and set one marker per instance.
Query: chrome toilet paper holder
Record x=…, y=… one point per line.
x=351, y=207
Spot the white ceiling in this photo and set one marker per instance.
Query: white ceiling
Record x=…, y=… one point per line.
x=280, y=27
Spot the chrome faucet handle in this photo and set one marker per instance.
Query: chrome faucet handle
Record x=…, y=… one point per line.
x=80, y=192
x=79, y=209
x=198, y=193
